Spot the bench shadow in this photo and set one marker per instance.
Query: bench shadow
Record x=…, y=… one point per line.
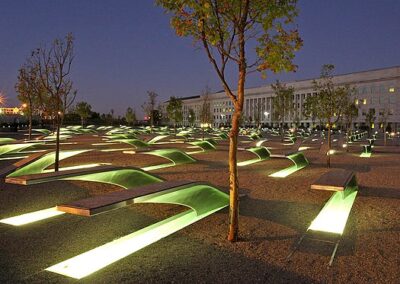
x=383, y=192
x=297, y=216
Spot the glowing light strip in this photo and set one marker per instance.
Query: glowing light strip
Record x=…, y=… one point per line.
x=93, y=260
x=115, y=150
x=32, y=217
x=333, y=217
x=152, y=168
x=194, y=152
x=302, y=148
x=249, y=162
x=14, y=158
x=285, y=172
x=365, y=155
x=259, y=143
x=87, y=166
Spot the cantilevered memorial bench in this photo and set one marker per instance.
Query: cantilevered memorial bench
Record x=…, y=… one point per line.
x=62, y=174
x=115, y=200
x=200, y=199
x=331, y=221
x=261, y=152
x=294, y=155
x=21, y=163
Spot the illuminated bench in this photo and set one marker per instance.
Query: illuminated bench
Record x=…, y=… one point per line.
x=40, y=165
x=331, y=221
x=21, y=163
x=175, y=156
x=297, y=157
x=200, y=199
x=73, y=174
x=367, y=151
x=262, y=154
x=115, y=200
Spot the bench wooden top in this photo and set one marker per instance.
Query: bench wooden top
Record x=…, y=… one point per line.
x=37, y=178
x=117, y=199
x=336, y=180
x=31, y=158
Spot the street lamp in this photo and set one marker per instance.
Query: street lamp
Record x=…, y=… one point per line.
x=204, y=125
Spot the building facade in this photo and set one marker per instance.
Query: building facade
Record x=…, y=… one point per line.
x=377, y=89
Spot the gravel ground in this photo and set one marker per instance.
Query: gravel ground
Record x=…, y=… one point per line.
x=273, y=215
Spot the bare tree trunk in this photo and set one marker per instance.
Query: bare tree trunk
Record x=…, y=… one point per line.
x=233, y=180
x=57, y=158
x=282, y=132
x=82, y=121
x=384, y=134
x=30, y=127
x=329, y=146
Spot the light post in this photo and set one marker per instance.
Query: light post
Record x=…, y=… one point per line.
x=203, y=125
x=266, y=113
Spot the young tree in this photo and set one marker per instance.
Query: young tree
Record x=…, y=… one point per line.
x=150, y=106
x=206, y=116
x=226, y=29
x=174, y=110
x=29, y=88
x=349, y=113
x=311, y=109
x=54, y=67
x=332, y=101
x=257, y=115
x=282, y=104
x=130, y=116
x=83, y=109
x=370, y=119
x=191, y=117
x=384, y=116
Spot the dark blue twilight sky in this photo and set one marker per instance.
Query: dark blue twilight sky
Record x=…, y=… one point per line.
x=125, y=47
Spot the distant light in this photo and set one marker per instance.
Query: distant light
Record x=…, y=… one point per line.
x=331, y=152
x=391, y=90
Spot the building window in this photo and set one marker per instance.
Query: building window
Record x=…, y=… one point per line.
x=356, y=101
x=364, y=101
x=391, y=90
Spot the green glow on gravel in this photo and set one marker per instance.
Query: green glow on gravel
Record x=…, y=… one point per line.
x=32, y=217
x=44, y=162
x=333, y=216
x=202, y=200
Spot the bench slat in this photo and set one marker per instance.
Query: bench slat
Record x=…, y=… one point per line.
x=335, y=180
x=102, y=203
x=35, y=178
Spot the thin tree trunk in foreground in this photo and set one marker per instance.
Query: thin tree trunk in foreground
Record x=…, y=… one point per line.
x=30, y=127
x=233, y=180
x=329, y=146
x=57, y=157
